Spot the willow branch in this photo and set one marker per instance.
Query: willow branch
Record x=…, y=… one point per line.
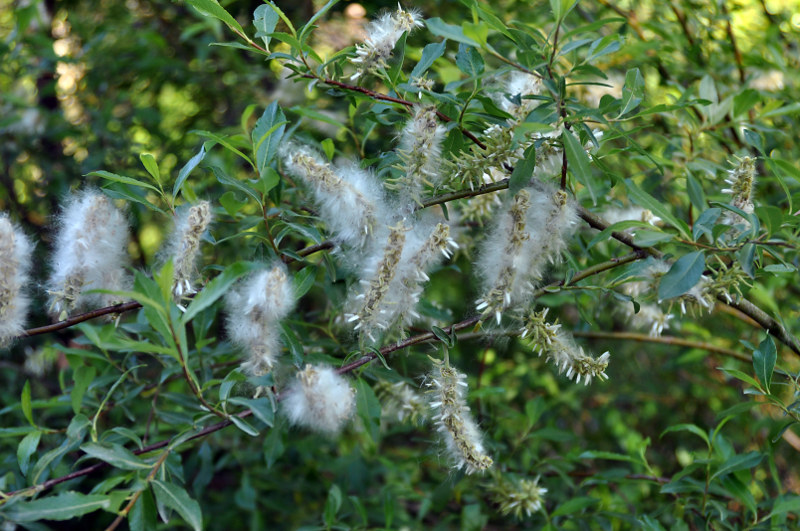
x=383, y=97
x=665, y=340
x=364, y=360
x=72, y=321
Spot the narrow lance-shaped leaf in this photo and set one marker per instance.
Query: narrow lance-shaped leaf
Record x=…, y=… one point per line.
x=684, y=274
x=764, y=358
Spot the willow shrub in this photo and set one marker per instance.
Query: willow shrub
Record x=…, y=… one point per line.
x=519, y=267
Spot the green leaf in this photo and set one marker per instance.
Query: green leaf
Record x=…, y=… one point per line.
x=273, y=446
x=764, y=358
x=121, y=179
x=593, y=454
x=560, y=8
x=739, y=375
x=231, y=203
x=303, y=280
x=306, y=29
x=115, y=455
x=211, y=8
x=223, y=142
x=63, y=506
x=217, y=288
x=441, y=29
x=265, y=19
x=747, y=256
x=479, y=32
x=632, y=91
x=368, y=408
x=224, y=178
x=469, y=60
x=332, y=505
x=649, y=238
x=244, y=426
x=693, y=428
x=83, y=376
x=143, y=516
x=787, y=503
x=266, y=136
x=150, y=164
x=25, y=403
x=291, y=340
x=603, y=46
x=261, y=408
x=705, y=223
x=739, y=491
x=754, y=139
x=186, y=170
x=744, y=101
x=707, y=90
x=696, y=195
x=328, y=148
x=574, y=505
x=578, y=160
x=176, y=498
x=430, y=53
x=523, y=171
x=27, y=446
x=684, y=274
x=659, y=208
x=738, y=462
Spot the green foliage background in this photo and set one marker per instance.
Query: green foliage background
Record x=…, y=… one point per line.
x=671, y=441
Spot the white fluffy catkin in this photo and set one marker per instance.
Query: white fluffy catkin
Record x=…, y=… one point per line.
x=184, y=243
x=462, y=438
x=350, y=200
x=420, y=150
x=529, y=236
x=254, y=312
x=382, y=35
x=319, y=399
x=90, y=253
x=15, y=262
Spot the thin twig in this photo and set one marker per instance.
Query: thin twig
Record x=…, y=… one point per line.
x=664, y=340
x=383, y=97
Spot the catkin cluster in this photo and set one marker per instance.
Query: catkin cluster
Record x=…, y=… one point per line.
x=390, y=246
x=526, y=237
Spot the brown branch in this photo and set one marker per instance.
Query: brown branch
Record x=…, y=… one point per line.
x=72, y=321
x=664, y=340
x=596, y=222
x=367, y=358
x=383, y=97
x=732, y=39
